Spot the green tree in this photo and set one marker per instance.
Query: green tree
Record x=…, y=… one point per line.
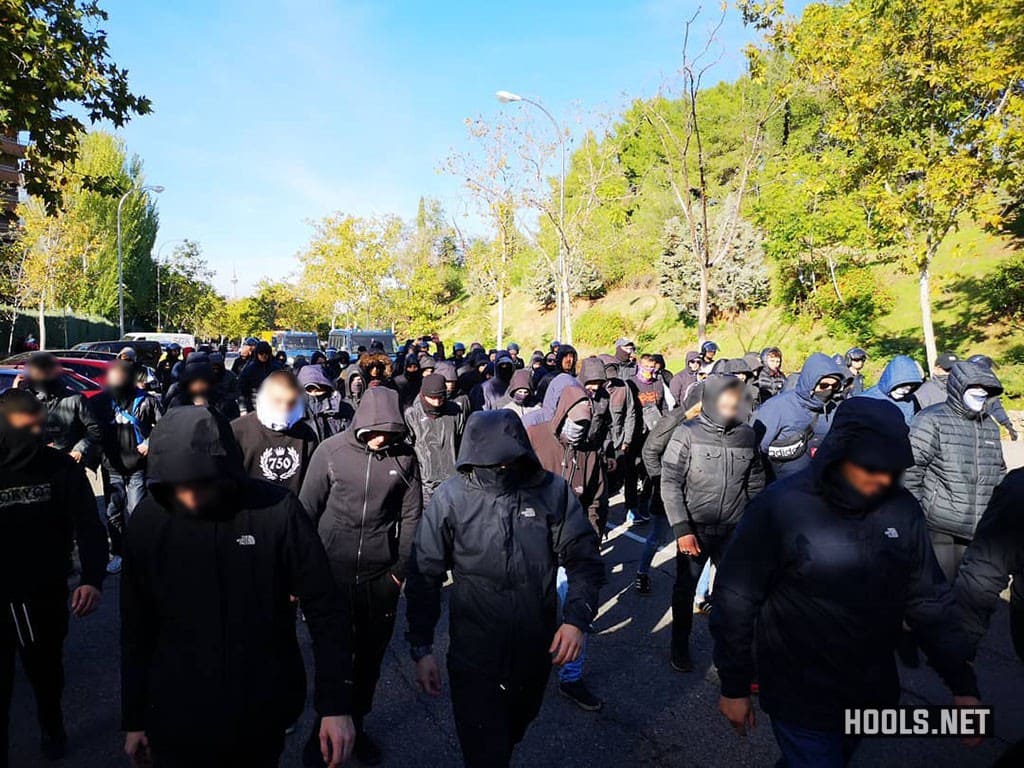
x=188, y=299
x=55, y=63
x=926, y=99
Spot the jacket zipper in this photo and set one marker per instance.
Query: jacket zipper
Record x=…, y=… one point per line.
x=362, y=521
x=725, y=475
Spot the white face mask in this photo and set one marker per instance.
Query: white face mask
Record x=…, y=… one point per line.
x=898, y=393
x=277, y=421
x=976, y=398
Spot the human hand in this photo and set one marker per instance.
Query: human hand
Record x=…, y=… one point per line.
x=85, y=600
x=566, y=645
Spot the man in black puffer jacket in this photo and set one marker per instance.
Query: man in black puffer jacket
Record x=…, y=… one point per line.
x=820, y=575
x=502, y=526
x=434, y=425
x=211, y=669
x=362, y=491
x=710, y=469
x=958, y=461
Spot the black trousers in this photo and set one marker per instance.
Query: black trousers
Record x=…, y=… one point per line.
x=372, y=606
x=637, y=485
x=267, y=756
x=688, y=570
x=38, y=639
x=491, y=718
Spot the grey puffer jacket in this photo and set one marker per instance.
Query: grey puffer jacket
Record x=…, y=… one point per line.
x=958, y=460
x=711, y=468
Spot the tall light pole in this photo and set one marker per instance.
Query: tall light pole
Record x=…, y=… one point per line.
x=562, y=293
x=120, y=259
x=159, y=261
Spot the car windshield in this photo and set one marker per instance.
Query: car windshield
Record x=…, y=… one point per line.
x=299, y=341
x=366, y=339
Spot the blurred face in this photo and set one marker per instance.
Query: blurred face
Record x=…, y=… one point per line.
x=728, y=404
x=33, y=422
x=263, y=357
x=857, y=364
x=866, y=482
x=279, y=398
x=116, y=378
x=42, y=373
x=198, y=390
x=196, y=496
x=774, y=362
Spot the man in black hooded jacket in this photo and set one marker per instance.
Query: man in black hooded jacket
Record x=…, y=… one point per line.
x=46, y=505
x=362, y=491
x=566, y=358
x=256, y=370
x=502, y=526
x=824, y=568
x=71, y=427
x=434, y=426
x=211, y=669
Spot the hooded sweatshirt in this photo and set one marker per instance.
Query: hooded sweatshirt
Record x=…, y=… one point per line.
x=565, y=350
x=901, y=372
x=958, y=459
x=326, y=414
x=515, y=399
x=711, y=467
x=210, y=659
x=365, y=503
x=252, y=376
x=579, y=464
x=791, y=425
x=817, y=581
x=46, y=506
x=684, y=380
x=502, y=533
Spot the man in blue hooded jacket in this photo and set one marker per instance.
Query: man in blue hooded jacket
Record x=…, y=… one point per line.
x=791, y=425
x=897, y=384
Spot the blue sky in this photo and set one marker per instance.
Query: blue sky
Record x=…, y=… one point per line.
x=269, y=113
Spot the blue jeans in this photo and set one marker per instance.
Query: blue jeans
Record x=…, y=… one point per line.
x=659, y=535
x=573, y=671
x=124, y=494
x=804, y=748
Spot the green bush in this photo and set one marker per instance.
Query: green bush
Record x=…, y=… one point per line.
x=1005, y=288
x=599, y=328
x=865, y=299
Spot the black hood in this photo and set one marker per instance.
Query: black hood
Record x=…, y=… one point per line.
x=192, y=445
x=18, y=447
x=871, y=433
x=378, y=411
x=563, y=351
x=492, y=438
x=592, y=369
x=962, y=376
x=714, y=386
x=732, y=366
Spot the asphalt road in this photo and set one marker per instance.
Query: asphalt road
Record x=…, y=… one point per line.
x=653, y=716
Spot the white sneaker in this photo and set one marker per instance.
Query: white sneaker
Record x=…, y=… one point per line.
x=114, y=566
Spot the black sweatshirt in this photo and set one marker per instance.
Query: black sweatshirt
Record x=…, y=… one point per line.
x=278, y=457
x=46, y=505
x=210, y=659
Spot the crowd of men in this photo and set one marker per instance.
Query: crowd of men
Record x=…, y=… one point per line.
x=830, y=525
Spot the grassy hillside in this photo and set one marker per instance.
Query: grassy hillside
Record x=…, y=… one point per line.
x=958, y=289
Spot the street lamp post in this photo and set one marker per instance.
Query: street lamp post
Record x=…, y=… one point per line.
x=120, y=259
x=562, y=293
x=159, y=261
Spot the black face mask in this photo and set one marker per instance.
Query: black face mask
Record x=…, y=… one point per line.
x=429, y=408
x=499, y=479
x=824, y=396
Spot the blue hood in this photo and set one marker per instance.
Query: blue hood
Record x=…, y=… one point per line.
x=816, y=367
x=900, y=371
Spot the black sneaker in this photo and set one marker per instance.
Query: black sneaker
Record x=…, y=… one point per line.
x=54, y=745
x=581, y=696
x=642, y=584
x=681, y=661
x=366, y=750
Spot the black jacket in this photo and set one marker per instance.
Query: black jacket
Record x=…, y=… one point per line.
x=250, y=379
x=210, y=659
x=435, y=438
x=70, y=424
x=365, y=504
x=121, y=437
x=46, y=505
x=996, y=552
x=503, y=536
x=710, y=470
x=825, y=579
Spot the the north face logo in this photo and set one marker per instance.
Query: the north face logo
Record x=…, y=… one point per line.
x=892, y=533
x=247, y=540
